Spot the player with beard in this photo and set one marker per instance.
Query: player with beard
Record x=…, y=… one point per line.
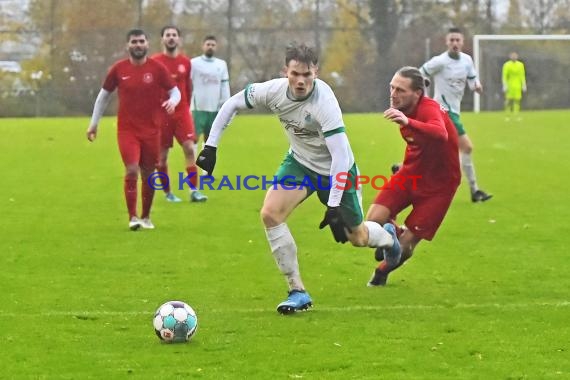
x=179, y=124
x=211, y=86
x=431, y=156
x=140, y=81
x=451, y=71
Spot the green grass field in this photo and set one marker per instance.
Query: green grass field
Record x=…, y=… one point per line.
x=489, y=298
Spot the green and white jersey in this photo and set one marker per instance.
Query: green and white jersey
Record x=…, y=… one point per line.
x=450, y=76
x=210, y=83
x=307, y=122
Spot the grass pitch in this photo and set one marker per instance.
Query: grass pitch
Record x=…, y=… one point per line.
x=487, y=299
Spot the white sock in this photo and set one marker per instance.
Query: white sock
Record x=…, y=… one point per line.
x=378, y=236
x=284, y=251
x=469, y=170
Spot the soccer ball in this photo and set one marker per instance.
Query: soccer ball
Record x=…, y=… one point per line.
x=175, y=322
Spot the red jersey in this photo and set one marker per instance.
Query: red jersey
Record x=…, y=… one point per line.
x=140, y=93
x=179, y=68
x=432, y=148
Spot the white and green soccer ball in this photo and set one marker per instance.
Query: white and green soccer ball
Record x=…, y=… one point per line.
x=175, y=322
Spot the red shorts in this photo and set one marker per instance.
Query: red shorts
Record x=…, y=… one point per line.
x=428, y=210
x=141, y=148
x=179, y=125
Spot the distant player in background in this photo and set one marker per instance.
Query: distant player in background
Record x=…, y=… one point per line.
x=450, y=72
x=141, y=82
x=310, y=114
x=179, y=124
x=432, y=154
x=211, y=86
x=514, y=84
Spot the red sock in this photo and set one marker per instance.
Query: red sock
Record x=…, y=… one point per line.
x=147, y=193
x=385, y=268
x=164, y=169
x=130, y=189
x=194, y=178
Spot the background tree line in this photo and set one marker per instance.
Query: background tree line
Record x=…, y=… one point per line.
x=361, y=42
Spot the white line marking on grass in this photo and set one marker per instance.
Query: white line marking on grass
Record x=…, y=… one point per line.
x=85, y=314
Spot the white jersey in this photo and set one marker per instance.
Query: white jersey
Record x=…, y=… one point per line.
x=307, y=122
x=210, y=83
x=450, y=76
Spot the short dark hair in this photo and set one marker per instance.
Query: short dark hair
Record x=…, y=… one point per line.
x=164, y=28
x=135, y=32
x=209, y=37
x=418, y=80
x=301, y=53
x=454, y=30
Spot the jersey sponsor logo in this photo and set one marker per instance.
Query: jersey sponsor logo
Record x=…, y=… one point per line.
x=301, y=132
x=294, y=127
x=125, y=77
x=206, y=78
x=147, y=78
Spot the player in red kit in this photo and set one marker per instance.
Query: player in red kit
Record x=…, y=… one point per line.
x=180, y=124
x=431, y=155
x=141, y=82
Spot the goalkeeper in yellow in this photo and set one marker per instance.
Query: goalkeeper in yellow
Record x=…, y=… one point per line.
x=514, y=83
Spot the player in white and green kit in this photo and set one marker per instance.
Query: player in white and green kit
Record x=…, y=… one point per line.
x=451, y=71
x=319, y=149
x=210, y=87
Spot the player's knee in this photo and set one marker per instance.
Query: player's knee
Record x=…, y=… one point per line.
x=270, y=216
x=358, y=241
x=188, y=148
x=131, y=170
x=358, y=237
x=466, y=148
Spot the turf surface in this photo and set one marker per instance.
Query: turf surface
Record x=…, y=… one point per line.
x=487, y=299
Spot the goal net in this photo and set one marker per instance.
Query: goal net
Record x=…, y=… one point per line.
x=546, y=59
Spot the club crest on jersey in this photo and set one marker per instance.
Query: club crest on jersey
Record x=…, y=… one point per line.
x=147, y=78
x=181, y=69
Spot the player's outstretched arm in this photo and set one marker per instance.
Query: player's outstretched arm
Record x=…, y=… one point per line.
x=101, y=104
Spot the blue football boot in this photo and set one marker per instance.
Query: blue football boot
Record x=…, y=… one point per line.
x=296, y=301
x=170, y=197
x=394, y=253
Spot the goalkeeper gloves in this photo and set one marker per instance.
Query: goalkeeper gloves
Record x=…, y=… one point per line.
x=207, y=159
x=334, y=220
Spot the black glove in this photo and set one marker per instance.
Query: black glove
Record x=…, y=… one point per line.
x=333, y=218
x=207, y=159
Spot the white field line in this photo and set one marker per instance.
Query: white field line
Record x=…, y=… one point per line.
x=461, y=306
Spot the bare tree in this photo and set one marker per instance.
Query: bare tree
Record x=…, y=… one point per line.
x=545, y=16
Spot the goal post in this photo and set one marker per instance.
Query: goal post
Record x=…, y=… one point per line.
x=478, y=38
